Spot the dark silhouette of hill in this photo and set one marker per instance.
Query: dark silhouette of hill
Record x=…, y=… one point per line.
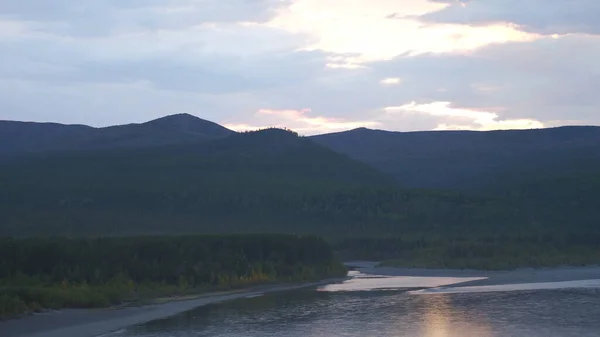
x=180, y=174
x=270, y=180
x=254, y=179
x=28, y=137
x=451, y=160
x=468, y=160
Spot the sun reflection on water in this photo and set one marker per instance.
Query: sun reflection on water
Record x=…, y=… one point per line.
x=442, y=319
x=436, y=316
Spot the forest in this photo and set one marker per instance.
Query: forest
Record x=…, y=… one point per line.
x=52, y=273
x=481, y=252
x=274, y=181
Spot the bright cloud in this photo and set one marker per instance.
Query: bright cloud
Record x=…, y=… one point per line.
x=300, y=121
x=384, y=29
x=464, y=119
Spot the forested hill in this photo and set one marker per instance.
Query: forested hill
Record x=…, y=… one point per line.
x=469, y=160
x=246, y=182
x=265, y=181
x=29, y=137
x=477, y=162
x=507, y=198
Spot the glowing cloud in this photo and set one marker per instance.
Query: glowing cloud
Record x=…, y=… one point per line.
x=464, y=119
x=383, y=29
x=391, y=81
x=299, y=121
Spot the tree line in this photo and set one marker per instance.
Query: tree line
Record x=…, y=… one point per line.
x=477, y=251
x=38, y=273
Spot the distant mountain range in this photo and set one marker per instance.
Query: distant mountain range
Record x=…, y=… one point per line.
x=30, y=137
x=497, y=199
x=454, y=160
x=470, y=160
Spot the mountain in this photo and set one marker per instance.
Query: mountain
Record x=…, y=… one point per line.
x=28, y=137
x=257, y=179
x=452, y=160
x=180, y=174
x=267, y=181
x=470, y=160
x=188, y=125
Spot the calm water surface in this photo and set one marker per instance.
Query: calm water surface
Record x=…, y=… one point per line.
x=367, y=306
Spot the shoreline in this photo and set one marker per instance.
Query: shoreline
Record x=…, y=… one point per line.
x=102, y=322
x=492, y=277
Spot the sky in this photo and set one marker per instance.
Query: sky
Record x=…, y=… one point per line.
x=314, y=66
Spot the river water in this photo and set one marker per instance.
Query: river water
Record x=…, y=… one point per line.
x=382, y=306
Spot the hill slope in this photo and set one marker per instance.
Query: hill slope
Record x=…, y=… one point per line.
x=28, y=137
x=274, y=181
x=464, y=160
x=270, y=180
x=253, y=179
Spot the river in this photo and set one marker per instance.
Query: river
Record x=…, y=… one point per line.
x=368, y=305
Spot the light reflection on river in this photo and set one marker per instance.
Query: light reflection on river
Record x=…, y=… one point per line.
x=331, y=312
x=366, y=282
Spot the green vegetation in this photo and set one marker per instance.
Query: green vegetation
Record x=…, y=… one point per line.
x=477, y=252
x=267, y=181
x=38, y=274
x=274, y=181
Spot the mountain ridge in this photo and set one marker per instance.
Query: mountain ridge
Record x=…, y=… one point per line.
x=274, y=181
x=32, y=137
x=452, y=160
x=185, y=123
x=467, y=160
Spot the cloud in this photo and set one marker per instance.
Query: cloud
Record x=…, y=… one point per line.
x=300, y=121
x=537, y=16
x=453, y=118
x=125, y=61
x=391, y=81
x=109, y=17
x=104, y=104
x=384, y=29
x=212, y=59
x=544, y=80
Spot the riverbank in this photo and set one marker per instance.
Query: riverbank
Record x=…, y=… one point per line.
x=517, y=276
x=97, y=322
